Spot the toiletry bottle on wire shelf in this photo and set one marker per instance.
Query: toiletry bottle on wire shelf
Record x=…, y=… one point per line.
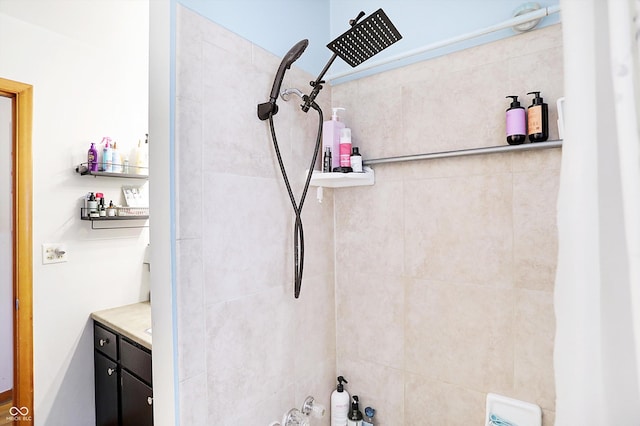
x=340, y=404
x=107, y=155
x=92, y=158
x=537, y=119
x=516, y=122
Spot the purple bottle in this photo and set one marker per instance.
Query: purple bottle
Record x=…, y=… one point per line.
x=92, y=158
x=516, y=123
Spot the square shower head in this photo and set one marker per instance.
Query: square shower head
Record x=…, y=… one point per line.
x=365, y=39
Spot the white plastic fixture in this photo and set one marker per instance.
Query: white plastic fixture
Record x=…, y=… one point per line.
x=511, y=410
x=343, y=180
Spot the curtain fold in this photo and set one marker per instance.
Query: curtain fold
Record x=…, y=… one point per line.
x=597, y=293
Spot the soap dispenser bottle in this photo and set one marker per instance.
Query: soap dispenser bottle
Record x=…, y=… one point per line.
x=340, y=404
x=92, y=158
x=538, y=119
x=331, y=137
x=355, y=415
x=516, y=122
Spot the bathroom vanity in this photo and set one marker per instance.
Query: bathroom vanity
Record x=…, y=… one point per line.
x=122, y=365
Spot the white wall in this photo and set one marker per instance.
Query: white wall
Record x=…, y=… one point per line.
x=90, y=75
x=6, y=272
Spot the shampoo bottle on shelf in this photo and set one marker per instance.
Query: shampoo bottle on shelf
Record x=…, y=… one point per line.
x=92, y=158
x=340, y=404
x=331, y=137
x=107, y=155
x=356, y=160
x=538, y=119
x=326, y=163
x=516, y=122
x=116, y=164
x=355, y=415
x=345, y=148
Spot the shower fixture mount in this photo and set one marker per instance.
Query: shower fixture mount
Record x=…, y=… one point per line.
x=523, y=10
x=362, y=41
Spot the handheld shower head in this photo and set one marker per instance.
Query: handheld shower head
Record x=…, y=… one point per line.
x=291, y=56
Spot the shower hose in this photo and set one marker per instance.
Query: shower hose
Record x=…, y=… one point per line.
x=298, y=232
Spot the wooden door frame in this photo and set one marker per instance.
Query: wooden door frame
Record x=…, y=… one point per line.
x=22, y=95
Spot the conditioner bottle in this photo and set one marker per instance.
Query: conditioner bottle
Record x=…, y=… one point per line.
x=340, y=404
x=516, y=122
x=538, y=119
x=331, y=137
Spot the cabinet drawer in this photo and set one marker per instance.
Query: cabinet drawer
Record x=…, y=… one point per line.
x=135, y=359
x=105, y=341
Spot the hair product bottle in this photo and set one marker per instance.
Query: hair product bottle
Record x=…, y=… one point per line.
x=345, y=147
x=538, y=119
x=340, y=404
x=92, y=158
x=516, y=122
x=355, y=415
x=331, y=137
x=356, y=159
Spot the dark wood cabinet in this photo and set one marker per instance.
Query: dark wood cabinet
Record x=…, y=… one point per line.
x=123, y=385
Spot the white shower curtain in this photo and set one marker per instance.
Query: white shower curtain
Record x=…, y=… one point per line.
x=597, y=293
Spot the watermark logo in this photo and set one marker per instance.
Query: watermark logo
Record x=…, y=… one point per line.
x=18, y=414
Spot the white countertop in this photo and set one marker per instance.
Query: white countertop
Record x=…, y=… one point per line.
x=130, y=321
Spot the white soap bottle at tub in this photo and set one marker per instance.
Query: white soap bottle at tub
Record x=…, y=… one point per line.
x=340, y=404
x=331, y=137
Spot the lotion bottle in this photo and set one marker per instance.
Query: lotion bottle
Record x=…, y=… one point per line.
x=340, y=404
x=356, y=160
x=331, y=136
x=107, y=155
x=516, y=122
x=116, y=164
x=538, y=119
x=92, y=158
x=345, y=147
x=355, y=415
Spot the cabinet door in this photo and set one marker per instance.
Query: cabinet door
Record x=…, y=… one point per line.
x=137, y=398
x=106, y=375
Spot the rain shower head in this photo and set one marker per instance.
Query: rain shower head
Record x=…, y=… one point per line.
x=365, y=39
x=291, y=56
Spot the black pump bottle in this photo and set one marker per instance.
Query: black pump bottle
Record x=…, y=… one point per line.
x=516, y=122
x=355, y=415
x=537, y=119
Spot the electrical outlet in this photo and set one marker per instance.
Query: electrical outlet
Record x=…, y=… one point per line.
x=54, y=253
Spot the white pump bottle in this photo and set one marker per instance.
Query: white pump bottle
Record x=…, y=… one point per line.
x=340, y=404
x=331, y=136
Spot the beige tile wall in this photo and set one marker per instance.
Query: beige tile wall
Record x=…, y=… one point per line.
x=248, y=351
x=445, y=268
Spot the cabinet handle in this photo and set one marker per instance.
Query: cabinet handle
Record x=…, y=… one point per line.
x=110, y=371
x=103, y=342
x=149, y=400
